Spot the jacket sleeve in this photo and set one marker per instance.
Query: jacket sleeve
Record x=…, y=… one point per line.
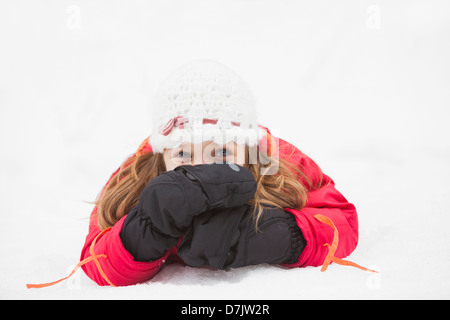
x=116, y=264
x=322, y=200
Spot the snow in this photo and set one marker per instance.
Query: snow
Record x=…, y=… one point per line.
x=360, y=86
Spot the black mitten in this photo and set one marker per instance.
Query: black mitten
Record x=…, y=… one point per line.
x=170, y=201
x=227, y=238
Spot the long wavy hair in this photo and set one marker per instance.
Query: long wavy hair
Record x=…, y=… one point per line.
x=283, y=189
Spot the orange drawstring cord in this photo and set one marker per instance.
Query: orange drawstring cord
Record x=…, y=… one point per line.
x=332, y=249
x=269, y=144
x=92, y=257
x=142, y=146
x=91, y=251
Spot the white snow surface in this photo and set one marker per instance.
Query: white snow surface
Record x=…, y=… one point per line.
x=362, y=87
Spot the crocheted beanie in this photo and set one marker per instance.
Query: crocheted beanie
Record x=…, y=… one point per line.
x=203, y=101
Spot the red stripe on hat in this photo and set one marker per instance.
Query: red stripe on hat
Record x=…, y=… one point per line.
x=206, y=121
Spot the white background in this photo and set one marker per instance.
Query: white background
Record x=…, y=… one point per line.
x=360, y=86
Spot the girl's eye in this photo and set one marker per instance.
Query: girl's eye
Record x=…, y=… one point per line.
x=183, y=154
x=222, y=152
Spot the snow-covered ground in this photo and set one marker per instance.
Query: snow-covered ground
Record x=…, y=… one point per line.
x=360, y=86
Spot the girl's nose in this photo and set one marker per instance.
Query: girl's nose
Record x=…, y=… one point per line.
x=198, y=159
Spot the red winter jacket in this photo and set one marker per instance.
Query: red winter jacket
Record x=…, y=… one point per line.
x=328, y=222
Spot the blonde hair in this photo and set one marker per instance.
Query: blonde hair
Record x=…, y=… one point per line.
x=283, y=189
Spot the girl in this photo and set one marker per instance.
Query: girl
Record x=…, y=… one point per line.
x=211, y=187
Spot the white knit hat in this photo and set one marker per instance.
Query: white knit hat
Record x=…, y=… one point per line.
x=203, y=101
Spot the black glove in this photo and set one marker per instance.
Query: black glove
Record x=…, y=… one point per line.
x=170, y=201
x=227, y=238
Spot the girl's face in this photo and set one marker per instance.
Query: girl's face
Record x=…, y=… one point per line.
x=201, y=153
